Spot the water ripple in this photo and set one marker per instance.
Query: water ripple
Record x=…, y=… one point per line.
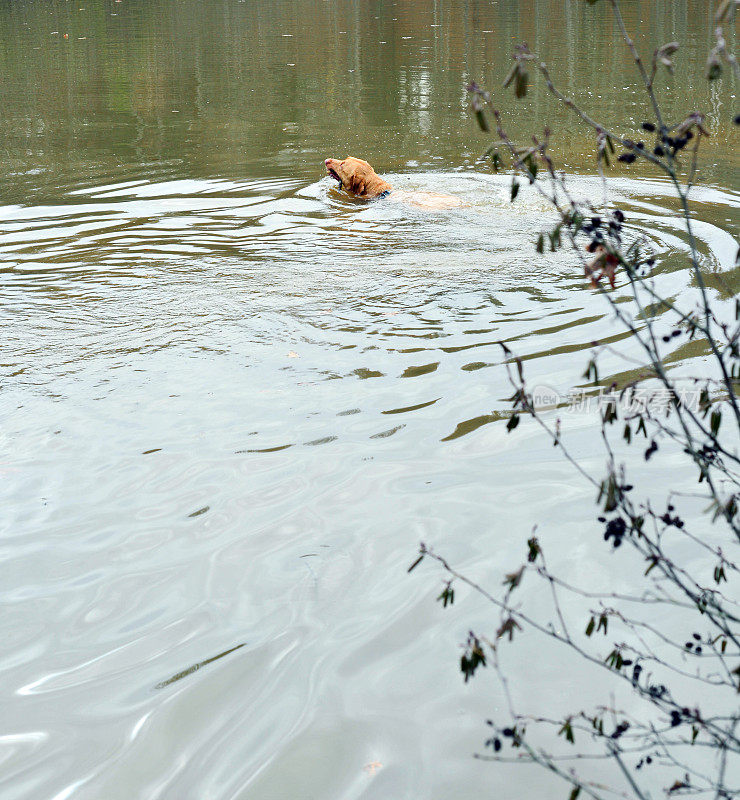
x=207, y=442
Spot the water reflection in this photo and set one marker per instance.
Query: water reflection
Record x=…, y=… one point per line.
x=261, y=88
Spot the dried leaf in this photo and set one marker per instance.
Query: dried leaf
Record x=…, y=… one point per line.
x=669, y=49
x=513, y=579
x=508, y=628
x=603, y=264
x=714, y=67
x=520, y=83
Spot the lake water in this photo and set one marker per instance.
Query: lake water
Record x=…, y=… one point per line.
x=233, y=400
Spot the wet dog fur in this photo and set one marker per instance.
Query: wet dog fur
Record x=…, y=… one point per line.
x=358, y=178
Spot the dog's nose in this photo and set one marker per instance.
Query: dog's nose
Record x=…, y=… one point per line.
x=327, y=161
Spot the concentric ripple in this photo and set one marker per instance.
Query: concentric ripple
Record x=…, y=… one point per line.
x=231, y=409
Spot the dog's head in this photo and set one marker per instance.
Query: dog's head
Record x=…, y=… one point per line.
x=354, y=175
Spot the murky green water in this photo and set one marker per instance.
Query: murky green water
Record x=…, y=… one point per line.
x=233, y=401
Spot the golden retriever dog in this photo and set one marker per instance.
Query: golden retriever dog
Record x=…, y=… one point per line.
x=358, y=178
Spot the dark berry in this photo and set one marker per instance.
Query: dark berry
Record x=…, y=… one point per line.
x=648, y=126
x=659, y=151
x=627, y=158
x=615, y=528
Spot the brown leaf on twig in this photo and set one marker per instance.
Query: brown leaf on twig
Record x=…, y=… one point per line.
x=508, y=628
x=603, y=264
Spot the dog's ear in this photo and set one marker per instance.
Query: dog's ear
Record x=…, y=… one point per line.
x=357, y=183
